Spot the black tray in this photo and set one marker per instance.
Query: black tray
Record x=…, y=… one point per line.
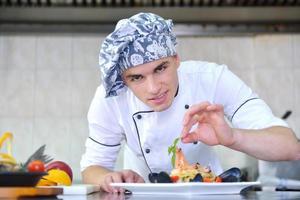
x=26, y=179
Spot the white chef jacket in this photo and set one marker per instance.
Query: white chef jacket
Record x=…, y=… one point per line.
x=148, y=134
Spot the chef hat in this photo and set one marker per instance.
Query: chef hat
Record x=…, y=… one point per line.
x=140, y=39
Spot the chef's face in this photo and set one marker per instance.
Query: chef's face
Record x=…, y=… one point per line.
x=154, y=83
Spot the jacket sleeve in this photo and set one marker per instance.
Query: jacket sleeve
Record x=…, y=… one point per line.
x=242, y=107
x=105, y=133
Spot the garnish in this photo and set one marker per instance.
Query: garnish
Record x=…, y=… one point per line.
x=172, y=150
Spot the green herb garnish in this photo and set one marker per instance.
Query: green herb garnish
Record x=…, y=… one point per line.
x=172, y=150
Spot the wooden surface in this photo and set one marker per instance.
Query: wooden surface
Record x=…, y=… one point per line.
x=13, y=192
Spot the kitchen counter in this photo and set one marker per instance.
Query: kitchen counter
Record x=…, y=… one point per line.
x=78, y=192
x=272, y=195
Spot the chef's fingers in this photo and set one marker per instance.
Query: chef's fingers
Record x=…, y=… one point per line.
x=193, y=110
x=118, y=178
x=186, y=128
x=128, y=176
x=216, y=113
x=125, y=175
x=139, y=179
x=214, y=107
x=114, y=177
x=185, y=131
x=191, y=137
x=194, y=120
x=204, y=111
x=132, y=177
x=105, y=186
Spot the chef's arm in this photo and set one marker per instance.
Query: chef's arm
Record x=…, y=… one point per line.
x=94, y=174
x=273, y=144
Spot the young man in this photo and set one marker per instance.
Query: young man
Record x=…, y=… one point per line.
x=148, y=98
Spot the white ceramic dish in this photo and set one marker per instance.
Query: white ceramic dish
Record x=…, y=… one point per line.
x=186, y=188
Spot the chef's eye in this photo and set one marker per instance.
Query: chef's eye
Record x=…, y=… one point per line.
x=135, y=78
x=160, y=68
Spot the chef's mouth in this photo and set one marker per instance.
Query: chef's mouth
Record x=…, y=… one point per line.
x=159, y=98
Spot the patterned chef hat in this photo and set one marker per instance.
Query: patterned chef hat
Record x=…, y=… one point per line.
x=140, y=39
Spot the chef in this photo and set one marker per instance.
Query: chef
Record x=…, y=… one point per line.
x=148, y=98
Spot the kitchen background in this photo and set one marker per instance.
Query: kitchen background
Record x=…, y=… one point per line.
x=48, y=79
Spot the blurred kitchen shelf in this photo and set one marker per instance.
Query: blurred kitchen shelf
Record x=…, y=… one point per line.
x=96, y=15
x=179, y=29
x=101, y=19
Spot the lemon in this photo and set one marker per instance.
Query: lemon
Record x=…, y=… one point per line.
x=57, y=176
x=44, y=182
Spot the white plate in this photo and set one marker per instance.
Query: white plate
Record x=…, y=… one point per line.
x=185, y=188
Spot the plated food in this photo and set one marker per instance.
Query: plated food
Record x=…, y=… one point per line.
x=184, y=172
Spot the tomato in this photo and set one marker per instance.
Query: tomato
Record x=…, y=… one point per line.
x=207, y=180
x=218, y=179
x=174, y=178
x=36, y=166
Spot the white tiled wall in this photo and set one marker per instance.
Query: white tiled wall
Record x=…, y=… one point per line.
x=47, y=83
x=19, y=52
x=48, y=80
x=237, y=52
x=273, y=51
x=193, y=48
x=54, y=52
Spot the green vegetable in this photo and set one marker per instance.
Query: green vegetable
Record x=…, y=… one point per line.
x=172, y=150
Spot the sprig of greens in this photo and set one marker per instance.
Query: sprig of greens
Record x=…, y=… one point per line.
x=172, y=150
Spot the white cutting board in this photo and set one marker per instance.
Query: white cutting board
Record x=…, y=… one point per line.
x=77, y=189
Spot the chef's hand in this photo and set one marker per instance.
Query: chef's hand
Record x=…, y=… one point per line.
x=124, y=176
x=211, y=127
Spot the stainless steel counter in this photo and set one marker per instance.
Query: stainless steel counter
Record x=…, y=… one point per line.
x=264, y=195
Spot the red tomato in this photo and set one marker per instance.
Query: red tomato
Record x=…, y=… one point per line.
x=218, y=179
x=174, y=178
x=36, y=166
x=207, y=180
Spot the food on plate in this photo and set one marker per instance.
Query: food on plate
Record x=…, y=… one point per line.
x=161, y=177
x=231, y=175
x=172, y=150
x=184, y=172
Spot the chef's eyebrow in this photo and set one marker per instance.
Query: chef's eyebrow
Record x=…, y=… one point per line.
x=129, y=76
x=132, y=76
x=161, y=65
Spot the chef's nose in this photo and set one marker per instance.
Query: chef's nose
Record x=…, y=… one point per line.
x=153, y=85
